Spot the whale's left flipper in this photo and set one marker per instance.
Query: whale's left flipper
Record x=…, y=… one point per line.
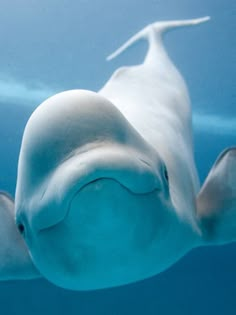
x=216, y=202
x=15, y=262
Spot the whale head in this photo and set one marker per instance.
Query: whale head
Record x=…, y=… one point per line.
x=92, y=197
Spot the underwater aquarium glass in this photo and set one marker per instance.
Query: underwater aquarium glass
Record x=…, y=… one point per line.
x=53, y=46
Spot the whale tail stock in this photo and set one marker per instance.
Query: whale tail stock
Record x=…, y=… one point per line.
x=157, y=28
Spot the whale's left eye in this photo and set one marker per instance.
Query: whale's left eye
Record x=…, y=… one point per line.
x=166, y=174
x=21, y=228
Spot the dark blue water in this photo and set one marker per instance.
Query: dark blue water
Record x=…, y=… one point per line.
x=50, y=47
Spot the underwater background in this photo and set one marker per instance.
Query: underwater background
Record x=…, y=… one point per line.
x=49, y=46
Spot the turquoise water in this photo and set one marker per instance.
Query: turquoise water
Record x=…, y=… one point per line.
x=49, y=47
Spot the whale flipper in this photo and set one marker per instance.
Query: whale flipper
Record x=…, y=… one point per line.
x=15, y=262
x=216, y=202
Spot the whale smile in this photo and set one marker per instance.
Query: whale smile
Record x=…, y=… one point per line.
x=114, y=162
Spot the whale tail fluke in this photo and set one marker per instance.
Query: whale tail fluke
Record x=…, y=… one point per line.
x=157, y=28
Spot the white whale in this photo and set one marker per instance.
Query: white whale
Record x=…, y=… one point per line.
x=107, y=188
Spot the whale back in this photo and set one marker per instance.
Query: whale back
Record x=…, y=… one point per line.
x=154, y=99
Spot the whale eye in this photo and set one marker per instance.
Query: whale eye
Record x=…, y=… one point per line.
x=166, y=174
x=21, y=228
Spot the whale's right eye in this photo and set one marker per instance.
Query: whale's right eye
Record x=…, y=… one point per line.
x=166, y=174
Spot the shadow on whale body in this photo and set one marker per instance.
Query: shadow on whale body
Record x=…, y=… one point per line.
x=107, y=189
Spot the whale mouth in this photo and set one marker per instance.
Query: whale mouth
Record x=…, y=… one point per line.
x=127, y=167
x=95, y=183
x=105, y=227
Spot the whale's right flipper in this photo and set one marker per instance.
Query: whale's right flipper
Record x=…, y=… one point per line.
x=15, y=261
x=216, y=202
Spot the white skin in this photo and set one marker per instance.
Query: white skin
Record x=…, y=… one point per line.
x=107, y=184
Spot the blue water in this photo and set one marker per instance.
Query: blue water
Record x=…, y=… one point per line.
x=52, y=46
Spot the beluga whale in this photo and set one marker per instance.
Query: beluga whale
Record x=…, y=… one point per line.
x=107, y=189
